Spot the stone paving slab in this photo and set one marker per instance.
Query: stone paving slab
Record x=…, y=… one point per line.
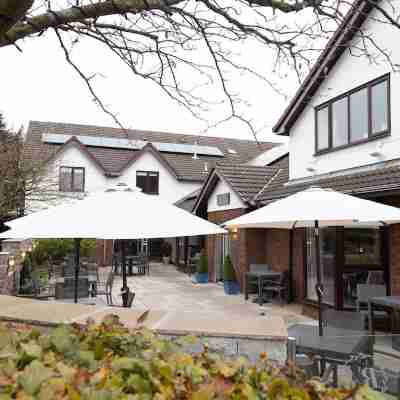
x=211, y=325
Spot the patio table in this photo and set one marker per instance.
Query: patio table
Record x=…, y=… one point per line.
x=260, y=276
x=392, y=305
x=337, y=347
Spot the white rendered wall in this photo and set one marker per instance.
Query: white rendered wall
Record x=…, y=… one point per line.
x=221, y=188
x=348, y=73
x=71, y=156
x=170, y=188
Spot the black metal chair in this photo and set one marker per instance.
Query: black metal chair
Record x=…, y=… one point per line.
x=277, y=287
x=104, y=288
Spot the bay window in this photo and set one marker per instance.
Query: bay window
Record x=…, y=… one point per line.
x=354, y=117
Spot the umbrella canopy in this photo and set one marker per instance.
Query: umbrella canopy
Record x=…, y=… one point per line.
x=119, y=213
x=326, y=206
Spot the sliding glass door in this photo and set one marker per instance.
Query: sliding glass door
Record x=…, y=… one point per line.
x=349, y=257
x=363, y=262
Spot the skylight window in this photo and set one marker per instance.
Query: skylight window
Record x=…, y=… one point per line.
x=232, y=151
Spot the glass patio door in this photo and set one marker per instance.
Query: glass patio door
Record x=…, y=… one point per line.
x=222, y=249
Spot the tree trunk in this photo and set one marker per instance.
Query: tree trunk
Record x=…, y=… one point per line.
x=12, y=11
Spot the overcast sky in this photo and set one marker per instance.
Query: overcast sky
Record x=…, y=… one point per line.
x=38, y=84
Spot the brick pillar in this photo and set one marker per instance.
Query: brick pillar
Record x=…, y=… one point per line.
x=104, y=252
x=9, y=278
x=4, y=257
x=394, y=263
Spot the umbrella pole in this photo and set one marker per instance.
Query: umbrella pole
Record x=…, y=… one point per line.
x=318, y=286
x=77, y=243
x=125, y=288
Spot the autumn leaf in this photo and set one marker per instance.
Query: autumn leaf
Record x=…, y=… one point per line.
x=33, y=376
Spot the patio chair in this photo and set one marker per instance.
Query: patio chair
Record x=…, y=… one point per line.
x=43, y=287
x=382, y=380
x=105, y=287
x=365, y=292
x=259, y=267
x=278, y=287
x=375, y=278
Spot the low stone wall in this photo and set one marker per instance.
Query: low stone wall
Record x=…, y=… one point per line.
x=231, y=346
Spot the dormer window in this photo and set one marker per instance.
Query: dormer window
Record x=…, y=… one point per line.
x=147, y=181
x=72, y=179
x=354, y=117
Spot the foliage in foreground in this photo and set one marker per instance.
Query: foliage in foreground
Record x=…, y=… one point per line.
x=107, y=361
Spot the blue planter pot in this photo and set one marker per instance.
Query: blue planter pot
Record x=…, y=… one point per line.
x=202, y=278
x=231, y=287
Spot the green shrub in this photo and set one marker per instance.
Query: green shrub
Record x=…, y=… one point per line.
x=47, y=251
x=202, y=264
x=229, y=271
x=107, y=361
x=88, y=247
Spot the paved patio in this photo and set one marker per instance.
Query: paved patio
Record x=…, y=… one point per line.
x=172, y=291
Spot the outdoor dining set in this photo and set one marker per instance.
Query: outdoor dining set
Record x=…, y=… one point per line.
x=57, y=280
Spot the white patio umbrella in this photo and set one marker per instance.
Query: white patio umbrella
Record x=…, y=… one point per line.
x=120, y=212
x=316, y=207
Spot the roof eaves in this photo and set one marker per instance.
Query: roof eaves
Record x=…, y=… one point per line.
x=149, y=148
x=75, y=140
x=332, y=52
x=204, y=189
x=191, y=195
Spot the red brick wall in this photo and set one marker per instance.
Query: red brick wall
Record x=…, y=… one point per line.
x=259, y=246
x=395, y=259
x=277, y=255
x=104, y=252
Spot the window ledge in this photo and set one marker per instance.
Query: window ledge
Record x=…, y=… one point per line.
x=346, y=146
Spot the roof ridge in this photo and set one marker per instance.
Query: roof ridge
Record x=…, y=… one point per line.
x=267, y=184
x=149, y=147
x=191, y=135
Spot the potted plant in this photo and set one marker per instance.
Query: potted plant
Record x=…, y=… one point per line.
x=202, y=269
x=166, y=251
x=231, y=286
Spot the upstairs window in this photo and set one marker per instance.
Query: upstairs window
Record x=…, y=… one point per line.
x=354, y=117
x=147, y=181
x=72, y=179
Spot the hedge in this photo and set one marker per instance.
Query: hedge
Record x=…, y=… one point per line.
x=107, y=361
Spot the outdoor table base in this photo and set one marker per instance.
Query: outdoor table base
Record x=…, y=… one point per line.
x=337, y=347
x=260, y=276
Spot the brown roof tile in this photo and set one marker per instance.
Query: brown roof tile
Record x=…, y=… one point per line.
x=246, y=180
x=377, y=179
x=113, y=160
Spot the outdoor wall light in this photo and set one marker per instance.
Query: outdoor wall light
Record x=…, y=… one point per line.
x=377, y=153
x=23, y=254
x=233, y=233
x=11, y=262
